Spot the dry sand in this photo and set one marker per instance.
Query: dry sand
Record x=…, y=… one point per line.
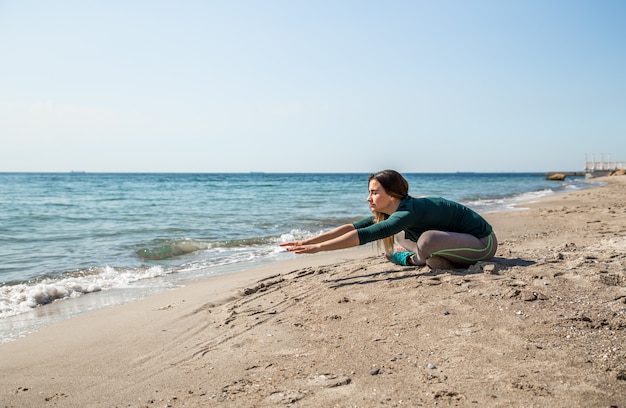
x=543, y=324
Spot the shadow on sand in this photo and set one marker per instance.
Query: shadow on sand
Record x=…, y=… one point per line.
x=423, y=271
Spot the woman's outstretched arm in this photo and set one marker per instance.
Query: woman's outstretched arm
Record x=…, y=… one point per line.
x=341, y=237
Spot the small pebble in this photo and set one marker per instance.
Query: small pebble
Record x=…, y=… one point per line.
x=431, y=366
x=375, y=371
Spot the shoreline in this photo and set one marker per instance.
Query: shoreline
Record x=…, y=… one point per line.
x=312, y=331
x=21, y=324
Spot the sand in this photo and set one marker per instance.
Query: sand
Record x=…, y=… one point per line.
x=543, y=324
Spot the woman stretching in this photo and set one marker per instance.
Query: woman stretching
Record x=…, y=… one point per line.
x=431, y=231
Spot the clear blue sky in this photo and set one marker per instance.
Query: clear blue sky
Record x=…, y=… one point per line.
x=311, y=86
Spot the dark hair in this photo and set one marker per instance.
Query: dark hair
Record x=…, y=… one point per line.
x=396, y=186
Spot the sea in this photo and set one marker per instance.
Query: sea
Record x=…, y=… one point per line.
x=71, y=243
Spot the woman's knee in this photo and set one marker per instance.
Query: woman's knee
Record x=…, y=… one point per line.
x=427, y=244
x=427, y=241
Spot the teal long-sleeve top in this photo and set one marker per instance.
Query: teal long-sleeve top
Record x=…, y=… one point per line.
x=417, y=215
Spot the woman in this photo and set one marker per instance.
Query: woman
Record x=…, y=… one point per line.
x=431, y=231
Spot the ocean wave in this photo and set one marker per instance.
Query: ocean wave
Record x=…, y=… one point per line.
x=207, y=258
x=171, y=249
x=22, y=297
x=295, y=235
x=177, y=248
x=245, y=242
x=532, y=195
x=507, y=203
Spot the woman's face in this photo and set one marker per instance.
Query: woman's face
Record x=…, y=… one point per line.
x=379, y=200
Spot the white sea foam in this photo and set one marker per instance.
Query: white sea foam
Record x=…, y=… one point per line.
x=21, y=298
x=508, y=203
x=294, y=235
x=532, y=195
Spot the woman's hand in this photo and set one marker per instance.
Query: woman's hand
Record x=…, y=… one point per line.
x=292, y=243
x=299, y=248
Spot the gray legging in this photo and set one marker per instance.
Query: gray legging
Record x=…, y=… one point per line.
x=459, y=248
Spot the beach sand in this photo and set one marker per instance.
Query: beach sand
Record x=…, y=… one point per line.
x=543, y=324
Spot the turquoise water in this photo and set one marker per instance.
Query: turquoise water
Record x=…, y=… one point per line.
x=68, y=236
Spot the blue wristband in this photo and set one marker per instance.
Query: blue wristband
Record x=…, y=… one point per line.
x=401, y=258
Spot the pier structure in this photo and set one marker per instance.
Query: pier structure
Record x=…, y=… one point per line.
x=602, y=167
x=592, y=169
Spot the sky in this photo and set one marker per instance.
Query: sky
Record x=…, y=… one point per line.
x=311, y=86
